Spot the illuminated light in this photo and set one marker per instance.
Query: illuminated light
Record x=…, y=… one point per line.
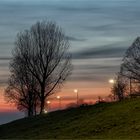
x=77, y=98
x=45, y=111
x=58, y=97
x=112, y=81
x=48, y=102
x=75, y=90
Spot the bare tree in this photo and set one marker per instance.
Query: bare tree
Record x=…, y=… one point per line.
x=131, y=62
x=131, y=66
x=111, y=97
x=42, y=52
x=119, y=87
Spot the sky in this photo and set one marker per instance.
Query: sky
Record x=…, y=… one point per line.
x=99, y=32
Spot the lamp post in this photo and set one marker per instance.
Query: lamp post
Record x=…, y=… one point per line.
x=48, y=104
x=45, y=111
x=111, y=81
x=130, y=85
x=77, y=96
x=59, y=99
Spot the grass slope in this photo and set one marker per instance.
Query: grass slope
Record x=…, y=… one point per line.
x=106, y=121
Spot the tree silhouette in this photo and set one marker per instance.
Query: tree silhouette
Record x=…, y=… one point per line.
x=131, y=61
x=42, y=53
x=119, y=87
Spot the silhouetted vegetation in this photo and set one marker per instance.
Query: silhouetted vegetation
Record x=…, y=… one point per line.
x=127, y=82
x=119, y=87
x=131, y=61
x=40, y=64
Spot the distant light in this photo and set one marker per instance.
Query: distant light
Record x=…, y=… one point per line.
x=112, y=81
x=58, y=97
x=45, y=111
x=75, y=90
x=48, y=102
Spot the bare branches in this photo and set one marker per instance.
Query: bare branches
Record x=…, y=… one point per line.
x=119, y=87
x=41, y=55
x=131, y=61
x=130, y=67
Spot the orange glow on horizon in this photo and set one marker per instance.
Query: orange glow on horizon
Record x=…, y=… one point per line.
x=88, y=92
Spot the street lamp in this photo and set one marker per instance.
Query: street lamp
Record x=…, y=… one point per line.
x=48, y=103
x=111, y=81
x=76, y=91
x=59, y=99
x=45, y=111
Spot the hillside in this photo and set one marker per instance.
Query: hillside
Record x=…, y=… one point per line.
x=105, y=120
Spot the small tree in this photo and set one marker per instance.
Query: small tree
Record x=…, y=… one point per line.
x=119, y=87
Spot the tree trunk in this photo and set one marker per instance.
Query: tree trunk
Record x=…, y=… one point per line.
x=42, y=100
x=29, y=112
x=42, y=106
x=30, y=108
x=34, y=111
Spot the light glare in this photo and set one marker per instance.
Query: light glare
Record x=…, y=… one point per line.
x=75, y=90
x=48, y=102
x=58, y=97
x=111, y=81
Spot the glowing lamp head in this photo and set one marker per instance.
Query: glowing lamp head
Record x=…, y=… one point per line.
x=75, y=90
x=58, y=97
x=45, y=111
x=48, y=102
x=111, y=81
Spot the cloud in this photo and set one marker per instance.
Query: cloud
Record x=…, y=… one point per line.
x=4, y=70
x=75, y=39
x=91, y=24
x=78, y=8
x=87, y=77
x=6, y=58
x=4, y=79
x=106, y=51
x=95, y=69
x=98, y=76
x=102, y=27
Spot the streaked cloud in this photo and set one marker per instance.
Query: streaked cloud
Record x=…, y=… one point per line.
x=99, y=32
x=96, y=29
x=107, y=51
x=96, y=70
x=70, y=38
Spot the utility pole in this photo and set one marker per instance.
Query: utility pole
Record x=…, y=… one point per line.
x=77, y=96
x=130, y=88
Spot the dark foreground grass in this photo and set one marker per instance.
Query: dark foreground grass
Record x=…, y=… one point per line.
x=120, y=120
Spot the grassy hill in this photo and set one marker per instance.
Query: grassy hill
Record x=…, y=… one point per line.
x=105, y=120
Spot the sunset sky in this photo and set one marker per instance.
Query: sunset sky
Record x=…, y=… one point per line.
x=99, y=32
